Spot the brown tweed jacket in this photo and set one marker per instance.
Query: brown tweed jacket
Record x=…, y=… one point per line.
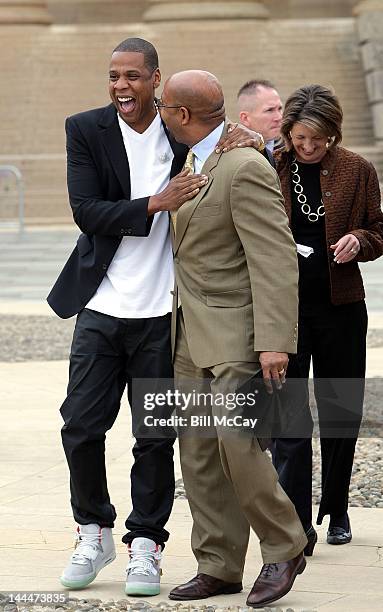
x=352, y=201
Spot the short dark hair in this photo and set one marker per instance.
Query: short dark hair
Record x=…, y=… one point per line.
x=318, y=108
x=139, y=45
x=250, y=87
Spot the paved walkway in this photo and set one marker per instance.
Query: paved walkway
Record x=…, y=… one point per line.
x=36, y=531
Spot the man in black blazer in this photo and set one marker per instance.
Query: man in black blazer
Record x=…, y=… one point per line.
x=119, y=279
x=112, y=346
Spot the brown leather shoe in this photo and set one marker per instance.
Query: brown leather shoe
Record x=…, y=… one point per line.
x=203, y=586
x=275, y=581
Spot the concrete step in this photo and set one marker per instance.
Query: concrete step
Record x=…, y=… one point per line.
x=374, y=154
x=44, y=178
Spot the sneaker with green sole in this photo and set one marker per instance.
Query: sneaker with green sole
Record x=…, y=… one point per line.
x=143, y=572
x=94, y=549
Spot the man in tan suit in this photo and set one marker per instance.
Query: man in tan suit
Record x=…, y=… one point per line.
x=236, y=274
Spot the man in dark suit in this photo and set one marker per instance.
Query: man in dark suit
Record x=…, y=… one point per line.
x=119, y=280
x=260, y=108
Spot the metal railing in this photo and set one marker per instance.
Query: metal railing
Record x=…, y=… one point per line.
x=6, y=170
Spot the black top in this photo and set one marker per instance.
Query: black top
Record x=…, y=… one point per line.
x=314, y=280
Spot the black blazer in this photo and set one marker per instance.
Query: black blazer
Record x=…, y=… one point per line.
x=99, y=194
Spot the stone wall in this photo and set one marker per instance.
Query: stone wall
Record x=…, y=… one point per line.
x=370, y=31
x=308, y=9
x=96, y=11
x=129, y=11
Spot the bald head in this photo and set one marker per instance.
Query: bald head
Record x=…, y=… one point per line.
x=198, y=96
x=200, y=91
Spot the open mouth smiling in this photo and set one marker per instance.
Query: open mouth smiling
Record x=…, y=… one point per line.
x=126, y=103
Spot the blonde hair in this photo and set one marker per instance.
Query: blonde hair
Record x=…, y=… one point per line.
x=316, y=107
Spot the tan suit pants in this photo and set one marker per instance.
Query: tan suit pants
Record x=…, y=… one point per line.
x=231, y=485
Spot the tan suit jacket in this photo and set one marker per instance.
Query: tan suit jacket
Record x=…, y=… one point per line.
x=236, y=264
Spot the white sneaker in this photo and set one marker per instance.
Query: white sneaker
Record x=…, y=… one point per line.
x=143, y=572
x=94, y=549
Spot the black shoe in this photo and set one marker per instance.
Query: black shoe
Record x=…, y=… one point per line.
x=339, y=535
x=312, y=537
x=339, y=530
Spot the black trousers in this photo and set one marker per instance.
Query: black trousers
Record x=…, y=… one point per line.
x=107, y=354
x=334, y=337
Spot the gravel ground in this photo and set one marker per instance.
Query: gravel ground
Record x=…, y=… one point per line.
x=366, y=487
x=35, y=338
x=96, y=605
x=44, y=338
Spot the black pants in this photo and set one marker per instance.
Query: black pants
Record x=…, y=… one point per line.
x=335, y=338
x=107, y=354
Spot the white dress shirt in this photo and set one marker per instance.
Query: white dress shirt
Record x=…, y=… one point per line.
x=205, y=147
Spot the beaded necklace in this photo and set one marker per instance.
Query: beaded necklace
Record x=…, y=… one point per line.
x=302, y=199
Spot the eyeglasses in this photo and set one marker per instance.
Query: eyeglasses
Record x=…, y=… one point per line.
x=160, y=104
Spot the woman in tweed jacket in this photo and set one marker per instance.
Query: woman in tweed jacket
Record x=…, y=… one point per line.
x=333, y=201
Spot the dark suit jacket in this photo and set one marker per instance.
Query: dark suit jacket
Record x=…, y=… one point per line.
x=269, y=156
x=99, y=194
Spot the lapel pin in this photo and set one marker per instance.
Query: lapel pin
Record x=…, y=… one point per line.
x=164, y=157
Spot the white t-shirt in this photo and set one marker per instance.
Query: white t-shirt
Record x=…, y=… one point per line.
x=139, y=280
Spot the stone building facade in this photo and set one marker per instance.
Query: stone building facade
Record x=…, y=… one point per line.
x=78, y=11
x=55, y=54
